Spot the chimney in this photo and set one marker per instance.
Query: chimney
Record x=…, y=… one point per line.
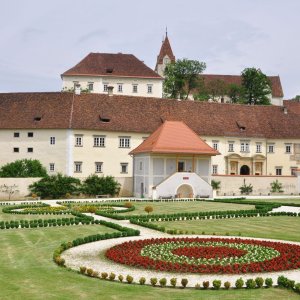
x=110, y=90
x=77, y=89
x=285, y=110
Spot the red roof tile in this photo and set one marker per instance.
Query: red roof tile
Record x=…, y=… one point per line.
x=107, y=64
x=174, y=137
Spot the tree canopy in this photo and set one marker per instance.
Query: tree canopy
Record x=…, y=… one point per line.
x=23, y=168
x=181, y=77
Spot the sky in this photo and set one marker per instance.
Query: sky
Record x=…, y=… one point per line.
x=42, y=39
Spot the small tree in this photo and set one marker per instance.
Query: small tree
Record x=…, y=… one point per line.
x=216, y=184
x=276, y=187
x=246, y=189
x=148, y=209
x=9, y=189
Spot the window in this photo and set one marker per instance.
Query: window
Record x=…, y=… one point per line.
x=105, y=87
x=75, y=83
x=99, y=141
x=98, y=167
x=91, y=86
x=30, y=134
x=215, y=169
x=230, y=147
x=215, y=145
x=16, y=150
x=149, y=88
x=30, y=150
x=278, y=171
x=134, y=88
x=293, y=171
x=78, y=166
x=78, y=140
x=120, y=88
x=141, y=165
x=245, y=147
x=271, y=148
x=124, y=142
x=52, y=140
x=51, y=167
x=16, y=134
x=288, y=149
x=258, y=148
x=124, y=167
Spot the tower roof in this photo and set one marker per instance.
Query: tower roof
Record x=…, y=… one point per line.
x=174, y=137
x=165, y=50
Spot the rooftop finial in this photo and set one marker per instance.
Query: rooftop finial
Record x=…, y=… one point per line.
x=166, y=31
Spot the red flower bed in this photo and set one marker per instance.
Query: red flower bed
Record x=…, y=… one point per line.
x=129, y=253
x=209, y=252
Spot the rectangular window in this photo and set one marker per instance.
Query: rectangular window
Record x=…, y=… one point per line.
x=141, y=165
x=52, y=140
x=98, y=167
x=278, y=171
x=124, y=142
x=149, y=88
x=105, y=87
x=288, y=149
x=215, y=145
x=231, y=147
x=51, y=167
x=245, y=147
x=77, y=166
x=99, y=141
x=258, y=148
x=78, y=141
x=124, y=167
x=30, y=134
x=16, y=134
x=293, y=171
x=120, y=88
x=16, y=150
x=90, y=86
x=30, y=150
x=215, y=169
x=134, y=88
x=271, y=148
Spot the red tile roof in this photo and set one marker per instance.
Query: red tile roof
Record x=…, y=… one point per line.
x=292, y=106
x=165, y=50
x=144, y=115
x=174, y=137
x=237, y=79
x=107, y=64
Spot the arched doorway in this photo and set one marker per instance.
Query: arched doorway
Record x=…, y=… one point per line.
x=185, y=191
x=245, y=170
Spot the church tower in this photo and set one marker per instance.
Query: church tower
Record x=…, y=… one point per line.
x=165, y=56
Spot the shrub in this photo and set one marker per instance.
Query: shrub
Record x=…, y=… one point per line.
x=297, y=288
x=95, y=274
x=184, y=282
x=276, y=187
x=163, y=282
x=129, y=279
x=227, y=285
x=246, y=189
x=250, y=284
x=197, y=286
x=285, y=282
x=89, y=272
x=128, y=205
x=215, y=184
x=153, y=281
x=173, y=282
x=259, y=282
x=121, y=278
x=205, y=285
x=148, y=209
x=82, y=270
x=142, y=280
x=217, y=284
x=112, y=276
x=269, y=282
x=104, y=275
x=60, y=261
x=239, y=283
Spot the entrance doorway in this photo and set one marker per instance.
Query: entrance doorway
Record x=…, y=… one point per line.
x=181, y=166
x=245, y=170
x=185, y=191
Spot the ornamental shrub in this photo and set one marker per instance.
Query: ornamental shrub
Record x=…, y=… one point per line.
x=163, y=282
x=239, y=283
x=95, y=274
x=148, y=209
x=173, y=282
x=259, y=282
x=184, y=282
x=128, y=204
x=197, y=286
x=82, y=270
x=142, y=280
x=227, y=285
x=153, y=281
x=104, y=275
x=269, y=282
x=89, y=272
x=121, y=278
x=205, y=285
x=129, y=279
x=60, y=261
x=276, y=187
x=112, y=276
x=297, y=288
x=217, y=284
x=250, y=284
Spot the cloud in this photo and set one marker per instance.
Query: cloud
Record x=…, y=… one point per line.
x=99, y=34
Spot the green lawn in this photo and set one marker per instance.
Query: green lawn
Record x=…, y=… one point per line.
x=284, y=200
x=191, y=206
x=27, y=272
x=279, y=227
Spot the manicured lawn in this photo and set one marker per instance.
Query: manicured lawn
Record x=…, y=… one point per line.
x=285, y=200
x=191, y=206
x=279, y=227
x=27, y=272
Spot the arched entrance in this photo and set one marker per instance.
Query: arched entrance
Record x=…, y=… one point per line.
x=185, y=191
x=245, y=170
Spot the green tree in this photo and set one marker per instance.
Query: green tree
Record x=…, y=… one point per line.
x=23, y=168
x=55, y=186
x=235, y=93
x=181, y=77
x=104, y=185
x=256, y=85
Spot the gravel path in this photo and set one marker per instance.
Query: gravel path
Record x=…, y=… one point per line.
x=293, y=209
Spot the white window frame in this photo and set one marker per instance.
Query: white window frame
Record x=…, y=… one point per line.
x=288, y=148
x=120, y=87
x=230, y=147
x=98, y=167
x=215, y=145
x=124, y=165
x=52, y=140
x=135, y=88
x=52, y=167
x=215, y=169
x=245, y=146
x=124, y=142
x=271, y=148
x=78, y=140
x=78, y=167
x=278, y=171
x=258, y=148
x=99, y=141
x=149, y=88
x=105, y=86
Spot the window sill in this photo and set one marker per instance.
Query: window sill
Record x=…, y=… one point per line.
x=78, y=145
x=99, y=146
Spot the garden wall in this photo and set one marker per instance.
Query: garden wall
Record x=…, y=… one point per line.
x=261, y=184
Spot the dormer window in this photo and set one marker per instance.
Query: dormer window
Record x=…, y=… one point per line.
x=109, y=70
x=104, y=119
x=37, y=118
x=241, y=126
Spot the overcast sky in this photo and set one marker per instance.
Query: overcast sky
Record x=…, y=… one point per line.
x=42, y=39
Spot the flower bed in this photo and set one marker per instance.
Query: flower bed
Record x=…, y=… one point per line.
x=207, y=255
